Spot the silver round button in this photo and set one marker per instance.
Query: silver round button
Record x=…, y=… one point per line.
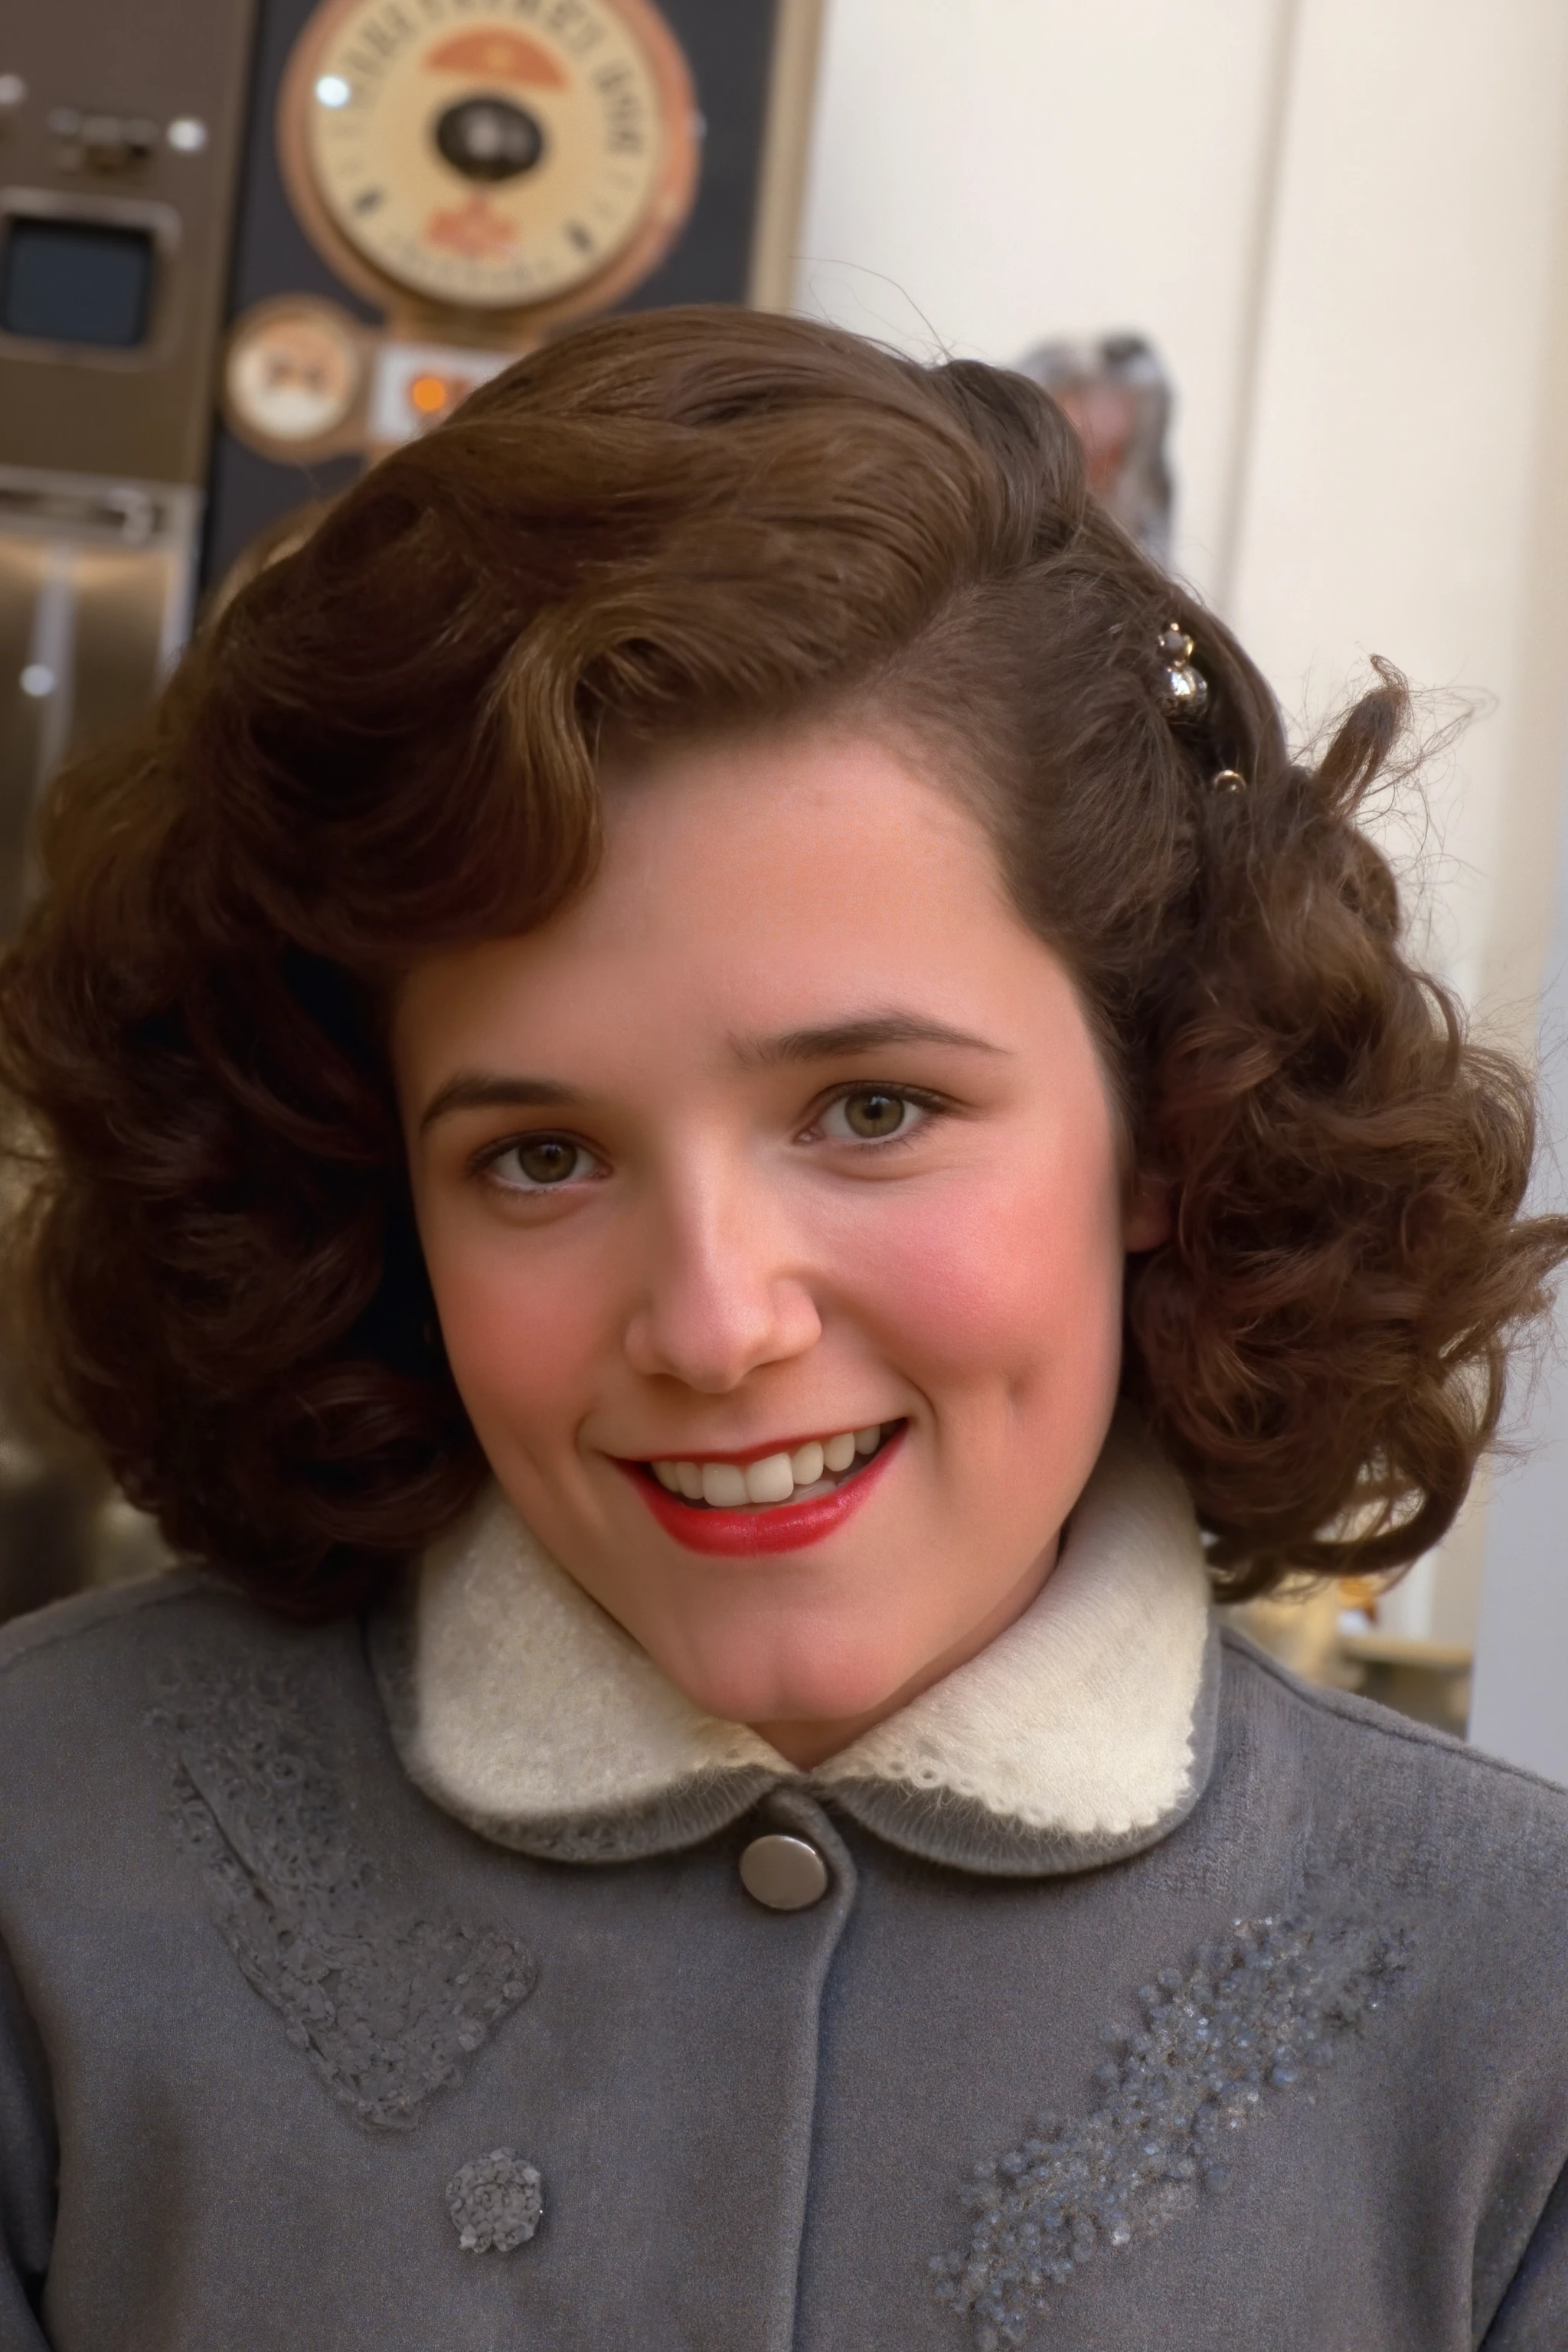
x=785, y=1873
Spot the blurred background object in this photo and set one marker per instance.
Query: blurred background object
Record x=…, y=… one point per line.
x=1330, y=1633
x=1116, y=393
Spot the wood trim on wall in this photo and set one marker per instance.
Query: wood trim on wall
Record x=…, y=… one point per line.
x=786, y=146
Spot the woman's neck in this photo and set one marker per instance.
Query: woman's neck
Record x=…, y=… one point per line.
x=809, y=1743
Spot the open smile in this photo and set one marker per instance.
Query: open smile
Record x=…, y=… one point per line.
x=774, y=1499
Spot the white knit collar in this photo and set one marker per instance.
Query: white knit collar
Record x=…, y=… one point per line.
x=1082, y=1732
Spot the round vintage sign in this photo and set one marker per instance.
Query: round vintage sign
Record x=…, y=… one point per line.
x=495, y=156
x=293, y=372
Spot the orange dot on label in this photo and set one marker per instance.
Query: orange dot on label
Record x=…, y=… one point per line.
x=429, y=393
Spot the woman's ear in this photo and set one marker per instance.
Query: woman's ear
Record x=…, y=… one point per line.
x=1148, y=1215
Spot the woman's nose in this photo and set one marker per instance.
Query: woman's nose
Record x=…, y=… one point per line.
x=721, y=1297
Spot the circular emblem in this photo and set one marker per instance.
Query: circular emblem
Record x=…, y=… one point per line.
x=489, y=156
x=292, y=374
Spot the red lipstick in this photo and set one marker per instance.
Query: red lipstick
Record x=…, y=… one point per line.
x=767, y=1526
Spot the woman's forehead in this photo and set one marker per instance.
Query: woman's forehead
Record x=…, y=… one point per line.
x=782, y=885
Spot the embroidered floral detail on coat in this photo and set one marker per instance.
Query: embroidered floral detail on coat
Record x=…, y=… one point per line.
x=386, y=2007
x=1264, y=2007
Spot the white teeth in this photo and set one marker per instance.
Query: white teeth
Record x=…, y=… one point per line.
x=771, y=1480
x=726, y=1487
x=805, y=1463
x=723, y=1484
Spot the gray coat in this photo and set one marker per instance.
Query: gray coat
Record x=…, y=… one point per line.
x=291, y=2057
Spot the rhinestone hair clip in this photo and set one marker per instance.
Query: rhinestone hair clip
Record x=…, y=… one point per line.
x=1186, y=695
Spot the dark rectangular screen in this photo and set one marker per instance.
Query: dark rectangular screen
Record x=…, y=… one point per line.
x=74, y=281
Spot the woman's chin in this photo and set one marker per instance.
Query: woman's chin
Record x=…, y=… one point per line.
x=740, y=1693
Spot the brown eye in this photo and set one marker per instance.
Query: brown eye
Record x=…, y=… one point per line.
x=873, y=1116
x=548, y=1162
x=539, y=1162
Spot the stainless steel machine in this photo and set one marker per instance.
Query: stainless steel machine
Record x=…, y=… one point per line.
x=120, y=152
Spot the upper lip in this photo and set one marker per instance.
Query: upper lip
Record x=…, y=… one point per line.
x=743, y=1455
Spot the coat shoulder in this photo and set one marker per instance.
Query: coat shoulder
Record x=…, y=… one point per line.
x=1393, y=1796
x=82, y=1670
x=89, y=1632
x=67, y=1624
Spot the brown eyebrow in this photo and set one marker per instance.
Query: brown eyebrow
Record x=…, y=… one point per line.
x=838, y=1040
x=496, y=1090
x=834, y=1041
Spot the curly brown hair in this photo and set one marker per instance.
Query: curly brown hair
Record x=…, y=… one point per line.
x=668, y=523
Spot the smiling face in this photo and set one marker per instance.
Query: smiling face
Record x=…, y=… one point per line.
x=772, y=1203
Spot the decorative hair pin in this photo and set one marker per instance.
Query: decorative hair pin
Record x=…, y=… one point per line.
x=1186, y=694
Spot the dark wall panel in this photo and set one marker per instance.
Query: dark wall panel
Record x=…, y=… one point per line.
x=728, y=45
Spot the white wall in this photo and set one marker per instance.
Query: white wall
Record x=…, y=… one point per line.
x=989, y=171
x=1344, y=223
x=1390, y=469
x=1520, y=1708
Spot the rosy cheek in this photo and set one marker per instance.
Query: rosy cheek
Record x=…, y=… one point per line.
x=1003, y=1280
x=512, y=1335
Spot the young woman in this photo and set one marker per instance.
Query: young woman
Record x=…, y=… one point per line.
x=717, y=1128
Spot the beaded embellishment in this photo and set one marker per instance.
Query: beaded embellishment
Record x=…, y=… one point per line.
x=1264, y=2007
x=386, y=2007
x=1184, y=691
x=496, y=2202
